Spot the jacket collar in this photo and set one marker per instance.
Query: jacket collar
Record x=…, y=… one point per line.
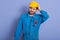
x=30, y=16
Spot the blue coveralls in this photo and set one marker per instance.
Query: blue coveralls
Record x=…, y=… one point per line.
x=30, y=25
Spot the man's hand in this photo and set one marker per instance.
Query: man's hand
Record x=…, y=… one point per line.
x=39, y=8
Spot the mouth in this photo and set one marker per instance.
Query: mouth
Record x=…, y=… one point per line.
x=31, y=11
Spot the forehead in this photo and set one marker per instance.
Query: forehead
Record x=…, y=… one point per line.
x=33, y=7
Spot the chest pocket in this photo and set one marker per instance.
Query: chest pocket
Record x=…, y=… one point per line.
x=36, y=22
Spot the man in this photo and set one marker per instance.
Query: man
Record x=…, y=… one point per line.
x=30, y=22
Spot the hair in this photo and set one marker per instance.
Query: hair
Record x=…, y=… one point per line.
x=36, y=7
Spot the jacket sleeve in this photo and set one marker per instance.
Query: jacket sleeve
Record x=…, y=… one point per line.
x=44, y=16
x=18, y=30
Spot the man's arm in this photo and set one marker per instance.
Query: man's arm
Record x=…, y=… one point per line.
x=18, y=30
x=44, y=16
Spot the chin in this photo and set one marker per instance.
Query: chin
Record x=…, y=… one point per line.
x=31, y=13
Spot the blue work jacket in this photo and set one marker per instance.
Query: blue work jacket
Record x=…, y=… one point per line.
x=30, y=25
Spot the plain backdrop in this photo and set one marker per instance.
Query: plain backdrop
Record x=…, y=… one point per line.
x=10, y=11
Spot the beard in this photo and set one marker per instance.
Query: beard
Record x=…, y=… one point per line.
x=31, y=13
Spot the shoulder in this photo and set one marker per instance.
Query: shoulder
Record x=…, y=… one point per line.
x=43, y=11
x=23, y=15
x=38, y=15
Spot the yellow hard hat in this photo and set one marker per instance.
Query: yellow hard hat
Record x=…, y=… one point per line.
x=33, y=4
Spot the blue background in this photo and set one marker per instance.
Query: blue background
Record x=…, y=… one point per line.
x=10, y=11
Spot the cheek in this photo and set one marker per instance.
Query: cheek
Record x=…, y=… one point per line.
x=34, y=10
x=30, y=9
